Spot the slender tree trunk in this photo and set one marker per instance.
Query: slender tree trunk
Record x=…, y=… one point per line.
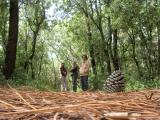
x=158, y=37
x=158, y=67
x=145, y=50
x=91, y=48
x=36, y=21
x=30, y=60
x=115, y=51
x=33, y=52
x=132, y=40
x=3, y=22
x=105, y=47
x=55, y=76
x=34, y=44
x=32, y=71
x=10, y=58
x=26, y=48
x=91, y=51
x=150, y=50
x=110, y=38
x=4, y=35
x=113, y=45
x=40, y=64
x=93, y=62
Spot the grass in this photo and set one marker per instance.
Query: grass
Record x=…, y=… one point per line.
x=136, y=85
x=35, y=84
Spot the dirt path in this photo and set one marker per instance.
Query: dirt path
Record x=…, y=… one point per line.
x=36, y=105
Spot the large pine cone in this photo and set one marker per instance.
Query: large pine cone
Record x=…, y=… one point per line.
x=115, y=82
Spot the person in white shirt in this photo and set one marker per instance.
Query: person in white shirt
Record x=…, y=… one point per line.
x=84, y=72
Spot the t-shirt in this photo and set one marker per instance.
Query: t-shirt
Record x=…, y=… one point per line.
x=75, y=71
x=84, y=69
x=63, y=71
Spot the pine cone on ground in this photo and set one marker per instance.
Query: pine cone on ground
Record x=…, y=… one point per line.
x=115, y=82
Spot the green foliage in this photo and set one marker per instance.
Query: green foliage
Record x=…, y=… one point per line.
x=72, y=28
x=20, y=80
x=134, y=83
x=96, y=82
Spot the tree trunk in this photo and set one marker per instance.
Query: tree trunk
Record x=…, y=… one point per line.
x=32, y=71
x=132, y=40
x=105, y=48
x=93, y=62
x=110, y=38
x=3, y=22
x=115, y=51
x=158, y=70
x=35, y=25
x=33, y=52
x=145, y=49
x=91, y=48
x=30, y=60
x=10, y=58
x=91, y=51
x=40, y=64
x=55, y=75
x=26, y=48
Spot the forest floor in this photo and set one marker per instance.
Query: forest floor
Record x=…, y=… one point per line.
x=25, y=104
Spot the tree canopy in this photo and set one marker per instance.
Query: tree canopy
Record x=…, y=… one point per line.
x=37, y=35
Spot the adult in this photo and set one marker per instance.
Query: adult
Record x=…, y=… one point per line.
x=84, y=72
x=74, y=73
x=63, y=71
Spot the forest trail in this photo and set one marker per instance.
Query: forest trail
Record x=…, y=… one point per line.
x=25, y=104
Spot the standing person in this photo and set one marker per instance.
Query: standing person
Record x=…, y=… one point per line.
x=74, y=73
x=84, y=72
x=63, y=77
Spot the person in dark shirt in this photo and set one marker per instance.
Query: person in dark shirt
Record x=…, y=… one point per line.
x=74, y=73
x=63, y=71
